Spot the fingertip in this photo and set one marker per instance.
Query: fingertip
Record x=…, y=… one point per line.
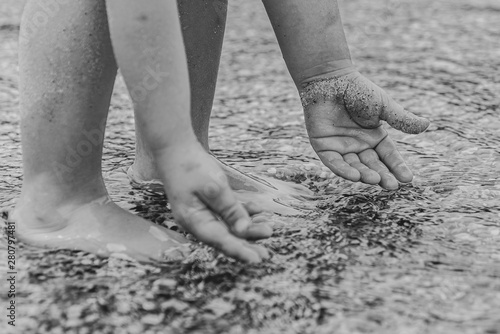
x=353, y=175
x=406, y=177
x=264, y=254
x=262, y=251
x=251, y=257
x=415, y=124
x=238, y=249
x=402, y=173
x=388, y=181
x=260, y=218
x=389, y=184
x=268, y=230
x=371, y=177
x=252, y=208
x=241, y=226
x=259, y=231
x=424, y=124
x=403, y=120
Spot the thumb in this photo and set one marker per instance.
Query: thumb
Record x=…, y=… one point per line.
x=401, y=119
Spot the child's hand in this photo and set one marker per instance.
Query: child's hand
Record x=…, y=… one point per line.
x=345, y=130
x=199, y=194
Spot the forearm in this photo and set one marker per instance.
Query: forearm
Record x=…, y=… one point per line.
x=311, y=37
x=149, y=50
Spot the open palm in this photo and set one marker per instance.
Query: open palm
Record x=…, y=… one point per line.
x=345, y=131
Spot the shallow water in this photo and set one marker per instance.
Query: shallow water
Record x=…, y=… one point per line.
x=425, y=258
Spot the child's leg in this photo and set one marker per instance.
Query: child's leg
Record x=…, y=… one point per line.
x=203, y=24
x=67, y=72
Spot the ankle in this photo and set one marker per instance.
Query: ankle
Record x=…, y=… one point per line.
x=42, y=197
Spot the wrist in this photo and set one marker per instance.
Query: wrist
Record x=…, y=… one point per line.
x=180, y=142
x=186, y=157
x=330, y=87
x=330, y=69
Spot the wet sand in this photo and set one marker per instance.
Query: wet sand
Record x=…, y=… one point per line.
x=423, y=259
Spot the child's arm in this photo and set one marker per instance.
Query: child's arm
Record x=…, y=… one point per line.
x=148, y=46
x=342, y=108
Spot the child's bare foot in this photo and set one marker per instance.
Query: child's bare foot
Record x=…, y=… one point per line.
x=269, y=194
x=98, y=226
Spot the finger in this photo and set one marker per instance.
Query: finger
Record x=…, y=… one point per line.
x=263, y=252
x=335, y=162
x=207, y=229
x=371, y=159
x=261, y=218
x=401, y=119
x=259, y=231
x=220, y=198
x=269, y=219
x=252, y=208
x=367, y=175
x=340, y=144
x=390, y=156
